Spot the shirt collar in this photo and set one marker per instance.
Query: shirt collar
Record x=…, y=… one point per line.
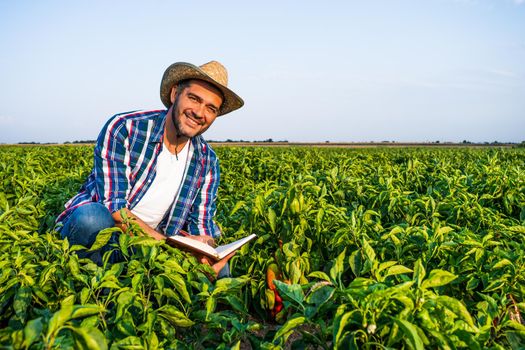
x=158, y=127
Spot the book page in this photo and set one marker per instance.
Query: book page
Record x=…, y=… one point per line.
x=195, y=245
x=226, y=249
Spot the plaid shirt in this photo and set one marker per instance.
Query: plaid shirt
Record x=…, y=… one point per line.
x=125, y=166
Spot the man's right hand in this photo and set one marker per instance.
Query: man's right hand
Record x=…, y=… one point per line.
x=149, y=231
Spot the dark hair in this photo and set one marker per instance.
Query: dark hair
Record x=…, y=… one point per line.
x=183, y=84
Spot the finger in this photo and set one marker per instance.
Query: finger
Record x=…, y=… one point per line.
x=204, y=260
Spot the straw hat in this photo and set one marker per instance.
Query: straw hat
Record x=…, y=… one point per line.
x=212, y=72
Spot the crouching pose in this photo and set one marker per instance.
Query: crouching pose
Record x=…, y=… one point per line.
x=156, y=166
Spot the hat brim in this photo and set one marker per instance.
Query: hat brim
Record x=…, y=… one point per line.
x=183, y=71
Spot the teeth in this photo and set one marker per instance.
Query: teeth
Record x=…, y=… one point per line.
x=193, y=122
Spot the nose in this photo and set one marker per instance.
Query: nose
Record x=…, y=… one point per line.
x=199, y=111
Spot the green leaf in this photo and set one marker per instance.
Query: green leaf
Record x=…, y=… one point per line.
x=290, y=292
x=89, y=338
x=129, y=343
x=32, y=331
x=91, y=321
x=340, y=321
x=502, y=263
x=438, y=278
x=516, y=325
x=319, y=218
x=58, y=319
x=317, y=298
x=287, y=329
x=369, y=251
x=153, y=341
x=175, y=266
x=356, y=262
x=320, y=295
x=338, y=267
x=211, y=304
x=320, y=275
x=103, y=238
x=73, y=265
x=468, y=338
x=272, y=219
x=145, y=241
x=124, y=301
x=110, y=285
x=21, y=302
x=236, y=303
x=123, y=242
x=472, y=283
x=126, y=325
x=456, y=307
x=407, y=302
x=180, y=286
x=75, y=270
x=397, y=270
x=419, y=272
x=68, y=301
x=270, y=298
x=295, y=272
x=495, y=285
x=176, y=317
x=411, y=334
x=385, y=265
x=136, y=281
x=80, y=311
x=228, y=284
x=443, y=231
x=237, y=206
x=237, y=346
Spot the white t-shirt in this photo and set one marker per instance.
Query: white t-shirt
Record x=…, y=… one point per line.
x=161, y=193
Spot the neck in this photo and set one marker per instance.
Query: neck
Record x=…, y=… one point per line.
x=173, y=140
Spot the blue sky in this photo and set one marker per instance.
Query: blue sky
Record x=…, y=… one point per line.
x=402, y=70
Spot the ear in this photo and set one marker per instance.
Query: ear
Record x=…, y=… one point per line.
x=173, y=93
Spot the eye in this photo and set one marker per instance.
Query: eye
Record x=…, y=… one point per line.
x=213, y=110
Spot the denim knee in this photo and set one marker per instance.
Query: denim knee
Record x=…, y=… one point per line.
x=85, y=222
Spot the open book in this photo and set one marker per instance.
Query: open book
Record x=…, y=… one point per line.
x=216, y=253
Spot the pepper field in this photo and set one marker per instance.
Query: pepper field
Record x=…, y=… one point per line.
x=358, y=249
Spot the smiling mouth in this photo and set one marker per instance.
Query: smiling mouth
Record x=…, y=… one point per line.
x=192, y=121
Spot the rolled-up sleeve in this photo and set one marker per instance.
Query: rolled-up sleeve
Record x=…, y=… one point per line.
x=200, y=220
x=111, y=165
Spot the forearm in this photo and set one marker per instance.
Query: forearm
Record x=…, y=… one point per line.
x=147, y=229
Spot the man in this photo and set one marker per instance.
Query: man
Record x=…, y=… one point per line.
x=155, y=165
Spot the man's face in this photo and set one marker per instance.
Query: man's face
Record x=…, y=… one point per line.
x=195, y=107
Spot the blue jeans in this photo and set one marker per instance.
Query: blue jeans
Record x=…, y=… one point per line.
x=83, y=225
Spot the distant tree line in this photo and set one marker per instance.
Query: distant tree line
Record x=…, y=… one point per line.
x=81, y=141
x=464, y=142
x=248, y=141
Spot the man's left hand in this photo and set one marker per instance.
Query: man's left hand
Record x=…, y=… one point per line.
x=216, y=265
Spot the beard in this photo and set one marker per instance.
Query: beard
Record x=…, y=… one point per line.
x=183, y=130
